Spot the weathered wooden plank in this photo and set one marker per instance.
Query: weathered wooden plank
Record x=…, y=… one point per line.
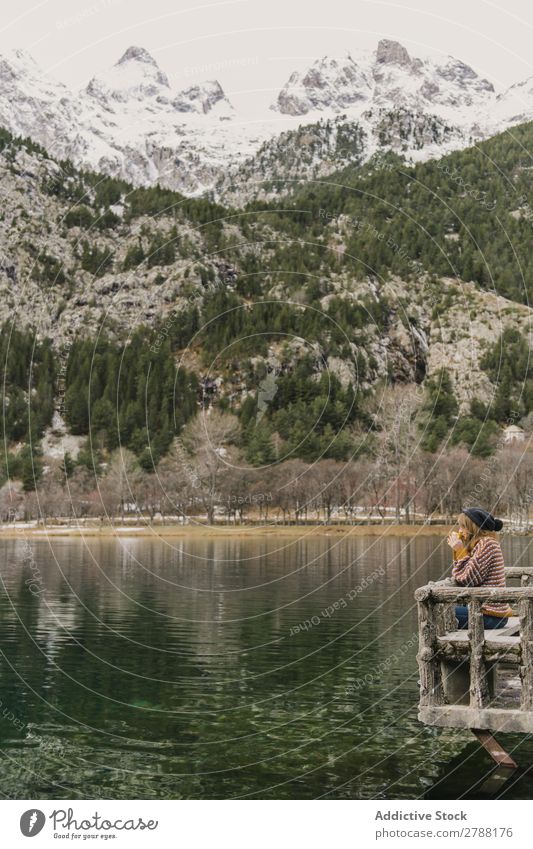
x=511, y=629
x=442, y=619
x=526, y=643
x=490, y=719
x=460, y=653
x=492, y=639
x=489, y=657
x=456, y=680
x=457, y=646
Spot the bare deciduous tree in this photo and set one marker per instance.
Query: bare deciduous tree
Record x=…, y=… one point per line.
x=207, y=438
x=119, y=488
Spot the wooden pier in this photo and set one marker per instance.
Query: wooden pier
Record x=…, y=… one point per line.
x=472, y=678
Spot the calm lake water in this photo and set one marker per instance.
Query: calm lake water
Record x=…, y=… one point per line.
x=226, y=668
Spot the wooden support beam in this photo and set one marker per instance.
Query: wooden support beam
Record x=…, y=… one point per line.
x=491, y=745
x=479, y=688
x=525, y=611
x=431, y=690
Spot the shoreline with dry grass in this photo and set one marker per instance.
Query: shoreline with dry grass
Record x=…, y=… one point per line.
x=200, y=530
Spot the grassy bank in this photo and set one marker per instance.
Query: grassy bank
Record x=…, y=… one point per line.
x=201, y=531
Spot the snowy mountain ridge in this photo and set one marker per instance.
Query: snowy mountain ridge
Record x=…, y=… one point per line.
x=129, y=120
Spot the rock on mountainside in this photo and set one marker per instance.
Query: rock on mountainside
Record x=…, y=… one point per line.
x=129, y=120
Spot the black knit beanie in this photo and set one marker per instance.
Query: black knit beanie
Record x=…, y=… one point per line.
x=483, y=519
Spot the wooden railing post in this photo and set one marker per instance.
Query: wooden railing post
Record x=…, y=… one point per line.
x=479, y=688
x=431, y=691
x=525, y=612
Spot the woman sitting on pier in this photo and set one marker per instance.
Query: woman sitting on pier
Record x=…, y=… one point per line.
x=479, y=562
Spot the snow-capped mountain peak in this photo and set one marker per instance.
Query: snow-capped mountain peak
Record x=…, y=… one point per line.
x=137, y=54
x=33, y=104
x=20, y=67
x=137, y=82
x=329, y=83
x=136, y=76
x=22, y=60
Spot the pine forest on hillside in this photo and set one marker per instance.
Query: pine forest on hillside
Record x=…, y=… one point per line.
x=314, y=337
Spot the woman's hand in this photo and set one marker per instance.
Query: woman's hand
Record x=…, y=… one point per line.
x=455, y=541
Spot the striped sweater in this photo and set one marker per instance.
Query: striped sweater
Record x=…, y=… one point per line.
x=484, y=567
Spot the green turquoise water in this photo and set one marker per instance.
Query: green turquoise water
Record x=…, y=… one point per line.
x=226, y=669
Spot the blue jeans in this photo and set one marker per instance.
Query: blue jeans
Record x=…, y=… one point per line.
x=489, y=621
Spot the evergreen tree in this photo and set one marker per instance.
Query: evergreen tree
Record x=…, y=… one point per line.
x=31, y=468
x=439, y=410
